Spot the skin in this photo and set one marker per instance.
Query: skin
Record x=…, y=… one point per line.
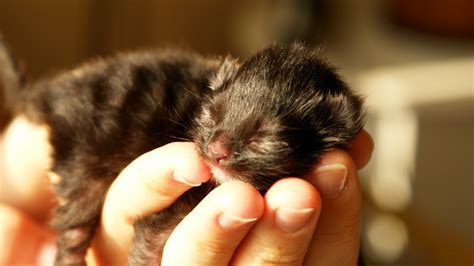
x=311, y=221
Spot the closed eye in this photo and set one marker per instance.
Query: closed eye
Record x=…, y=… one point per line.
x=267, y=144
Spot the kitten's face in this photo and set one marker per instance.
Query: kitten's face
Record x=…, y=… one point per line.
x=243, y=145
x=274, y=116
x=245, y=136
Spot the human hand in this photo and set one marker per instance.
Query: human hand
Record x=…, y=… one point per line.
x=234, y=223
x=258, y=236
x=23, y=240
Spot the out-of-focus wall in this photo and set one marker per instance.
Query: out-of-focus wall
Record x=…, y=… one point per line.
x=53, y=34
x=418, y=205
x=47, y=35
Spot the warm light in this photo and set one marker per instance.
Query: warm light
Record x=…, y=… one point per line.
x=392, y=191
x=395, y=155
x=387, y=237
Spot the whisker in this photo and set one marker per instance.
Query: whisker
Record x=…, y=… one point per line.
x=176, y=137
x=191, y=92
x=176, y=122
x=177, y=113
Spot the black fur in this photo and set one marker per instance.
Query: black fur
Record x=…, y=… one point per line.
x=277, y=114
x=279, y=111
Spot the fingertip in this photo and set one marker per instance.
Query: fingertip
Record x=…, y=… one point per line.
x=338, y=156
x=282, y=235
x=361, y=148
x=335, y=172
x=212, y=231
x=338, y=227
x=188, y=166
x=293, y=193
x=239, y=199
x=294, y=202
x=191, y=170
x=331, y=179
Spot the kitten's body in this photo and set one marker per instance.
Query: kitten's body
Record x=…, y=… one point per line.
x=102, y=116
x=269, y=118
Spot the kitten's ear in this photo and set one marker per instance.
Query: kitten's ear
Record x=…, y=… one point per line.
x=227, y=69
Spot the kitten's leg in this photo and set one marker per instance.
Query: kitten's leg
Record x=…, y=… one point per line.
x=151, y=234
x=73, y=244
x=80, y=203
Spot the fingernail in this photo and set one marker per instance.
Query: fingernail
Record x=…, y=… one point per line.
x=179, y=178
x=331, y=179
x=229, y=221
x=291, y=220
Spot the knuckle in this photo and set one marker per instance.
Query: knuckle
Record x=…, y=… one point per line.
x=346, y=232
x=160, y=190
x=281, y=255
x=352, y=222
x=212, y=250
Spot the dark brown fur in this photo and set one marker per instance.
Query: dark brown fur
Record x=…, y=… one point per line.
x=277, y=114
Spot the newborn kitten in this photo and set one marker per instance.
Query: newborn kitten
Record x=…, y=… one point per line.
x=270, y=117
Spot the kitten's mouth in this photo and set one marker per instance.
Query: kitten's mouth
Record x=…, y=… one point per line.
x=220, y=173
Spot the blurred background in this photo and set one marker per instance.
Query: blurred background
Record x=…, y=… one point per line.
x=413, y=59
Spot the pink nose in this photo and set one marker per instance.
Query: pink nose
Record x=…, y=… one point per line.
x=218, y=151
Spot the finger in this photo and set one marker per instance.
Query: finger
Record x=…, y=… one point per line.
x=282, y=235
x=25, y=143
x=23, y=241
x=149, y=184
x=338, y=230
x=210, y=234
x=155, y=180
x=361, y=148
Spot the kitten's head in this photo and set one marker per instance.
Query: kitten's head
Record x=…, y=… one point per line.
x=274, y=116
